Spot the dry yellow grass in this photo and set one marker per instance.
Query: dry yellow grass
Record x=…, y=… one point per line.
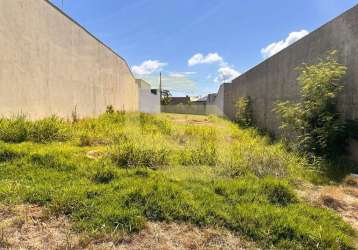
x=30, y=227
x=342, y=199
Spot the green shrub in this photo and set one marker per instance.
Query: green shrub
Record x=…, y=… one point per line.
x=315, y=120
x=14, y=130
x=49, y=130
x=244, y=116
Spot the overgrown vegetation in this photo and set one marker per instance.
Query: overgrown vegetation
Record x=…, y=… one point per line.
x=153, y=168
x=166, y=97
x=18, y=129
x=314, y=120
x=244, y=116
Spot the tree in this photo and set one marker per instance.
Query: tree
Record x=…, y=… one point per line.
x=165, y=97
x=244, y=116
x=313, y=123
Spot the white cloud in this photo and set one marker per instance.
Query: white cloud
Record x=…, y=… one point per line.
x=181, y=74
x=226, y=74
x=205, y=59
x=177, y=74
x=275, y=47
x=148, y=67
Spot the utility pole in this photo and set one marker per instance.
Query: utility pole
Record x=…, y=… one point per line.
x=62, y=4
x=160, y=86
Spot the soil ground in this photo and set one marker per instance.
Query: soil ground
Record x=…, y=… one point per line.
x=30, y=227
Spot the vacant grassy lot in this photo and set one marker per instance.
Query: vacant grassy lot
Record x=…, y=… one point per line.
x=116, y=172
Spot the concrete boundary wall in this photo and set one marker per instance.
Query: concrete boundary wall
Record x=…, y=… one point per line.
x=216, y=103
x=275, y=78
x=148, y=102
x=213, y=106
x=50, y=64
x=192, y=109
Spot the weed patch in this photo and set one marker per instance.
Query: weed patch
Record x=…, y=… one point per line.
x=14, y=130
x=134, y=154
x=104, y=176
x=49, y=130
x=154, y=169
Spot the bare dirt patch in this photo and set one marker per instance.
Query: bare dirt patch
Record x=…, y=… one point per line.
x=30, y=227
x=190, y=119
x=95, y=154
x=175, y=236
x=343, y=199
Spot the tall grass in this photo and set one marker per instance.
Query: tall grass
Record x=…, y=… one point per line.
x=14, y=130
x=155, y=168
x=18, y=129
x=142, y=151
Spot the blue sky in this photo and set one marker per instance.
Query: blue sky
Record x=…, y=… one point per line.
x=198, y=44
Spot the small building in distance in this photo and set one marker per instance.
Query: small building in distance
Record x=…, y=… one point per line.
x=186, y=105
x=175, y=100
x=149, y=99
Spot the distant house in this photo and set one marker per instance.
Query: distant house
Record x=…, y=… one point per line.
x=179, y=100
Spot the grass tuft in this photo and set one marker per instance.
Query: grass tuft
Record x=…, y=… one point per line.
x=104, y=176
x=136, y=154
x=14, y=130
x=49, y=130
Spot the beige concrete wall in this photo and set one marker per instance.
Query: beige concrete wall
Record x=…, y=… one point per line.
x=51, y=65
x=275, y=78
x=193, y=109
x=215, y=105
x=148, y=102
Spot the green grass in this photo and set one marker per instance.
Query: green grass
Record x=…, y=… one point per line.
x=153, y=168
